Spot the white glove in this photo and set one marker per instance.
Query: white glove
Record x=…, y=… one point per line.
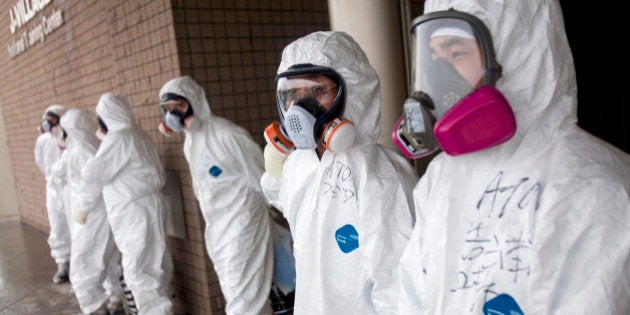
x=274, y=161
x=80, y=216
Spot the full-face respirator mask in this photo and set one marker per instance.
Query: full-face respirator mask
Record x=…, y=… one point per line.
x=454, y=106
x=49, y=122
x=46, y=126
x=175, y=120
x=310, y=102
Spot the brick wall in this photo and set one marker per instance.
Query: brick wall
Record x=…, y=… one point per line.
x=232, y=48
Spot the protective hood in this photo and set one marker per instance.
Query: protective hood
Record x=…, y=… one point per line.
x=56, y=109
x=80, y=126
x=337, y=50
x=115, y=111
x=510, y=229
x=187, y=87
x=534, y=76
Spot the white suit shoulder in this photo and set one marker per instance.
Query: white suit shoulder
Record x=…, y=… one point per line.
x=376, y=160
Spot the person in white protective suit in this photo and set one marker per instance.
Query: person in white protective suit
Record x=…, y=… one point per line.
x=523, y=212
x=127, y=174
x=347, y=199
x=95, y=259
x=48, y=150
x=226, y=164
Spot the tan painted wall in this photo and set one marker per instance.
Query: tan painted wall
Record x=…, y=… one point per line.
x=375, y=25
x=8, y=206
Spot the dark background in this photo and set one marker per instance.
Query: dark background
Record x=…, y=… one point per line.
x=598, y=38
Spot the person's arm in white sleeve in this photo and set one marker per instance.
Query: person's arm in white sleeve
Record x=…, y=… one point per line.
x=59, y=169
x=409, y=271
x=111, y=157
x=603, y=207
x=385, y=226
x=249, y=155
x=271, y=182
x=39, y=154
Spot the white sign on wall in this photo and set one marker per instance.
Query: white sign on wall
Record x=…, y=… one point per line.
x=20, y=14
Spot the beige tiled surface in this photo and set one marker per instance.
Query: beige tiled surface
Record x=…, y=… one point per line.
x=26, y=271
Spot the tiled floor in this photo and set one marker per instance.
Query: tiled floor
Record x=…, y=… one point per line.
x=26, y=271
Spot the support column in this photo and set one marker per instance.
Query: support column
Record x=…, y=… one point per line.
x=376, y=26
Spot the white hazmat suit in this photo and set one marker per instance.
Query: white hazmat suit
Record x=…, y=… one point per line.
x=127, y=174
x=47, y=153
x=539, y=224
x=350, y=213
x=95, y=259
x=226, y=164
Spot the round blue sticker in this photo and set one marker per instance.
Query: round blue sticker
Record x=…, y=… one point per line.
x=502, y=304
x=215, y=171
x=347, y=238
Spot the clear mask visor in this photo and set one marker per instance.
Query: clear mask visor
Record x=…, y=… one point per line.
x=448, y=61
x=290, y=90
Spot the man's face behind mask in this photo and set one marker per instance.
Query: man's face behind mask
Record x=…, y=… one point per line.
x=449, y=62
x=318, y=86
x=305, y=98
x=446, y=86
x=454, y=69
x=177, y=113
x=460, y=52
